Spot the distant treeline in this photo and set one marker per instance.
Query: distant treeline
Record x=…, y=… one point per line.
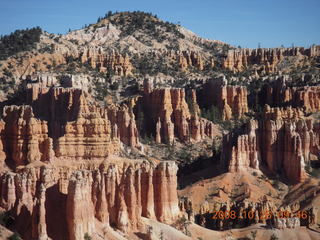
x=18, y=41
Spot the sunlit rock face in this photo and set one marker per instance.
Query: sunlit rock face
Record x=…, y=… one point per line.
x=282, y=140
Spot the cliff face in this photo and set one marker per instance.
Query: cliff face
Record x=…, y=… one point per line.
x=240, y=59
x=124, y=125
x=72, y=114
x=90, y=136
x=116, y=194
x=111, y=62
x=230, y=100
x=24, y=138
x=283, y=143
x=61, y=190
x=279, y=94
x=169, y=116
x=71, y=128
x=190, y=59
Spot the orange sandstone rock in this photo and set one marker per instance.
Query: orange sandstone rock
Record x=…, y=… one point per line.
x=283, y=144
x=117, y=194
x=240, y=59
x=169, y=116
x=230, y=100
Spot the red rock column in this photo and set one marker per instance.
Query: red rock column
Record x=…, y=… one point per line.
x=165, y=192
x=147, y=191
x=80, y=209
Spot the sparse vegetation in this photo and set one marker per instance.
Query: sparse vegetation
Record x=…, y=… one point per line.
x=87, y=236
x=254, y=234
x=161, y=235
x=6, y=219
x=131, y=22
x=18, y=41
x=273, y=237
x=101, y=90
x=314, y=172
x=147, y=64
x=14, y=236
x=213, y=114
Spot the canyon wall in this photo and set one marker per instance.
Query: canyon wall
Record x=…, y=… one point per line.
x=67, y=180
x=230, y=100
x=63, y=123
x=110, y=62
x=24, y=138
x=241, y=59
x=278, y=93
x=282, y=141
x=119, y=193
x=71, y=111
x=169, y=115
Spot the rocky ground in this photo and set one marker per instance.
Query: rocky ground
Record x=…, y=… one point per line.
x=135, y=128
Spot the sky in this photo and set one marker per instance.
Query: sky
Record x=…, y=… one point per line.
x=245, y=23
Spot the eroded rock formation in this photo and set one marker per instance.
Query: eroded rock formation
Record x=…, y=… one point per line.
x=279, y=94
x=118, y=194
x=188, y=59
x=240, y=59
x=231, y=101
x=123, y=120
x=281, y=142
x=169, y=115
x=111, y=62
x=24, y=138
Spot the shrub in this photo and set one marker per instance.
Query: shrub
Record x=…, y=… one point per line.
x=14, y=236
x=213, y=114
x=87, y=236
x=6, y=219
x=18, y=41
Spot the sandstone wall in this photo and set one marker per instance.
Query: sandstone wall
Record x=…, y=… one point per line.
x=279, y=94
x=117, y=194
x=107, y=61
x=230, y=100
x=284, y=144
x=169, y=116
x=24, y=138
x=59, y=124
x=240, y=59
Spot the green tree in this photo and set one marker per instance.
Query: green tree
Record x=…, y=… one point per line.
x=213, y=114
x=87, y=236
x=14, y=236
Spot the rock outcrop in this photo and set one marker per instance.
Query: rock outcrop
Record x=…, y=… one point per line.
x=247, y=212
x=283, y=144
x=190, y=59
x=24, y=138
x=110, y=62
x=279, y=94
x=70, y=128
x=2, y=152
x=123, y=120
x=117, y=194
x=169, y=116
x=71, y=114
x=240, y=59
x=231, y=101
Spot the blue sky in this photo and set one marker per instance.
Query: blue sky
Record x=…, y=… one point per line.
x=239, y=22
